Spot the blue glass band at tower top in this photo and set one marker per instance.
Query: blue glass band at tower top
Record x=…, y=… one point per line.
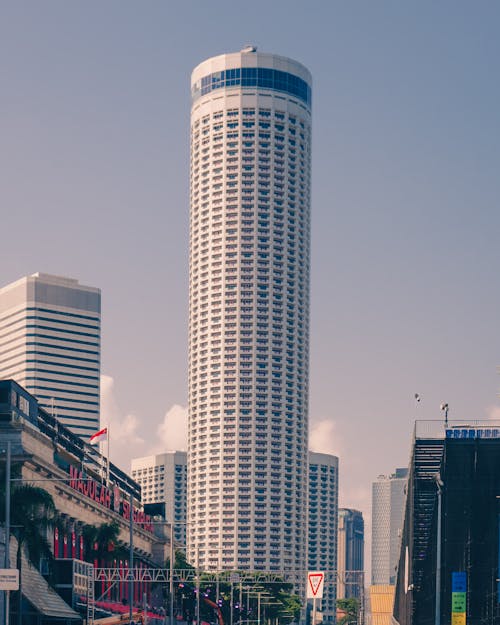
x=253, y=77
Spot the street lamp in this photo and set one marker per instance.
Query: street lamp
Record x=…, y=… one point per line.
x=445, y=408
x=197, y=585
x=263, y=597
x=233, y=578
x=171, y=611
x=8, y=480
x=172, y=555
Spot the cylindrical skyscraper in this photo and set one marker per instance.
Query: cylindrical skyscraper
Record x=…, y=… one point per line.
x=249, y=312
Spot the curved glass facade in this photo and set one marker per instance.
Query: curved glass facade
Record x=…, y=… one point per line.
x=253, y=77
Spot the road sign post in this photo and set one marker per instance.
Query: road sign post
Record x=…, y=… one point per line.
x=315, y=583
x=9, y=579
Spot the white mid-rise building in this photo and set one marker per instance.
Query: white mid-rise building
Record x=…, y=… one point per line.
x=388, y=500
x=50, y=343
x=163, y=480
x=322, y=526
x=249, y=312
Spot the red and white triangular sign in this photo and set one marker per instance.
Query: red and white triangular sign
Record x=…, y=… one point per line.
x=315, y=583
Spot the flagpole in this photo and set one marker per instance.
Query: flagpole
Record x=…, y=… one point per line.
x=107, y=467
x=101, y=456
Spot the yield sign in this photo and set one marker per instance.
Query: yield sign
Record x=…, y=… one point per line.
x=315, y=583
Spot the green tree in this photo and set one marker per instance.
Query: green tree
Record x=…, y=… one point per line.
x=292, y=606
x=350, y=607
x=180, y=561
x=281, y=600
x=277, y=600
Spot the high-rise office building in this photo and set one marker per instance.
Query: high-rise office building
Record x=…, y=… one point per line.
x=388, y=499
x=163, y=479
x=50, y=343
x=322, y=527
x=350, y=553
x=249, y=311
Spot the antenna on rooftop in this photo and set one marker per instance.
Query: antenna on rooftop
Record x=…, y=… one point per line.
x=445, y=408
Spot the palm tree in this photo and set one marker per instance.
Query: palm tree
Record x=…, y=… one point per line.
x=101, y=546
x=101, y=543
x=33, y=515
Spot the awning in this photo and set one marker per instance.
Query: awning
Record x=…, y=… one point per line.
x=44, y=598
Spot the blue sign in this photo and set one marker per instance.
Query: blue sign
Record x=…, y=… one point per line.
x=459, y=581
x=470, y=432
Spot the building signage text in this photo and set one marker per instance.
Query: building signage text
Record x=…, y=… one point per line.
x=105, y=497
x=9, y=579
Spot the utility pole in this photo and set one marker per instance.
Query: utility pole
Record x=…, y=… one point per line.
x=439, y=485
x=131, y=559
x=197, y=585
x=171, y=587
x=7, y=527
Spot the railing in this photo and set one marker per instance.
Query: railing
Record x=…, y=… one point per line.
x=434, y=429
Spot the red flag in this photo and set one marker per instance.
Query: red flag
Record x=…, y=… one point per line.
x=102, y=435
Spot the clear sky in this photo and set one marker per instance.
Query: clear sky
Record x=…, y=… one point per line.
x=94, y=129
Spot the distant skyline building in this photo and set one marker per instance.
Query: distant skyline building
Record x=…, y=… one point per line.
x=163, y=479
x=350, y=553
x=50, y=343
x=388, y=500
x=249, y=312
x=322, y=534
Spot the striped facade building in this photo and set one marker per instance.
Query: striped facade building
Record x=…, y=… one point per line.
x=50, y=343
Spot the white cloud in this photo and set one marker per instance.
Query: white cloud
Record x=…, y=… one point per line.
x=123, y=428
x=493, y=412
x=354, y=492
x=131, y=437
x=324, y=437
x=125, y=436
x=172, y=432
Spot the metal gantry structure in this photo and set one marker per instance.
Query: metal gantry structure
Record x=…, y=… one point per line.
x=250, y=579
x=190, y=575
